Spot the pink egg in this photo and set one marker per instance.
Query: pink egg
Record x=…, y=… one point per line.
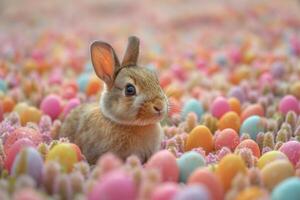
x=70, y=105
x=265, y=79
x=219, y=107
x=226, y=138
x=165, y=162
x=114, y=186
x=292, y=150
x=289, y=103
x=51, y=105
x=14, y=150
x=166, y=191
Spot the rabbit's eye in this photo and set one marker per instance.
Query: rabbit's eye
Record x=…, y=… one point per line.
x=130, y=90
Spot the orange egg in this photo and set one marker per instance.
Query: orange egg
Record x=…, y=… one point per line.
x=230, y=120
x=93, y=86
x=235, y=105
x=200, y=136
x=250, y=144
x=8, y=104
x=30, y=114
x=255, y=109
x=228, y=168
x=208, y=179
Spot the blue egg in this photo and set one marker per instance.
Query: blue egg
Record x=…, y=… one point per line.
x=28, y=161
x=192, y=105
x=83, y=81
x=3, y=85
x=287, y=189
x=193, y=192
x=188, y=163
x=252, y=125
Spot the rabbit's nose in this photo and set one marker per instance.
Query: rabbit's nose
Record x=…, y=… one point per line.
x=157, y=109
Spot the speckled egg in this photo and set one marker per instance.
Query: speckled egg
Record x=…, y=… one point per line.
x=165, y=162
x=292, y=150
x=250, y=144
x=188, y=163
x=226, y=138
x=255, y=109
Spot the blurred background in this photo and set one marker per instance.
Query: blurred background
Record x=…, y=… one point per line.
x=164, y=26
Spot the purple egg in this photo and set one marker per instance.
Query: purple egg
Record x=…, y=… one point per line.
x=238, y=93
x=29, y=161
x=277, y=70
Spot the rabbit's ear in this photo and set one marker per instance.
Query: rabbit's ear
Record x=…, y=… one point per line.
x=132, y=52
x=105, y=61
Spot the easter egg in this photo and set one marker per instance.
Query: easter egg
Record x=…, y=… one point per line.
x=8, y=104
x=20, y=108
x=295, y=89
x=275, y=172
x=226, y=138
x=229, y=166
x=255, y=109
x=188, y=163
x=200, y=136
x=277, y=69
x=30, y=114
x=83, y=81
x=193, y=192
x=234, y=105
x=292, y=150
x=238, y=93
x=114, y=186
x=27, y=193
x=29, y=161
x=14, y=150
x=219, y=107
x=165, y=162
x=22, y=132
x=165, y=191
x=72, y=103
x=287, y=189
x=270, y=157
x=250, y=144
x=209, y=180
x=252, y=193
x=93, y=86
x=252, y=125
x=65, y=154
x=51, y=105
x=3, y=85
x=289, y=103
x=192, y=105
x=230, y=120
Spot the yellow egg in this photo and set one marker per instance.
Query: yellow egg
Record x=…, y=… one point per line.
x=64, y=154
x=275, y=172
x=251, y=193
x=200, y=136
x=230, y=120
x=269, y=157
x=295, y=89
x=229, y=167
x=20, y=108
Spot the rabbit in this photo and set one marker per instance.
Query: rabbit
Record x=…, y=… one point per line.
x=127, y=119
